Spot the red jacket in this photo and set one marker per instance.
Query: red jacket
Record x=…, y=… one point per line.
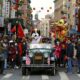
x=12, y=53
x=57, y=51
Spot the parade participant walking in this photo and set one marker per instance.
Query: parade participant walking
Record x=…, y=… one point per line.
x=1, y=58
x=57, y=52
x=5, y=54
x=78, y=55
x=17, y=58
x=24, y=46
x=63, y=54
x=12, y=54
x=70, y=53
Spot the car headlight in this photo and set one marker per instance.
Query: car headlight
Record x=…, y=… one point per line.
x=30, y=54
x=52, y=58
x=24, y=58
x=48, y=47
x=46, y=55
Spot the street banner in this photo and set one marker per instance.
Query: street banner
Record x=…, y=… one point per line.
x=1, y=21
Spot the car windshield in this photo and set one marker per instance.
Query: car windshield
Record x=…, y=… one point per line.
x=43, y=50
x=46, y=40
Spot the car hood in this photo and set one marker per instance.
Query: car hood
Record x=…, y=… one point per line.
x=46, y=46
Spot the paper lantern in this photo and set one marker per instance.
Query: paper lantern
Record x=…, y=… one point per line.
x=34, y=8
x=47, y=10
x=50, y=7
x=42, y=8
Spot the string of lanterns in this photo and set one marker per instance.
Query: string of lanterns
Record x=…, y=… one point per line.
x=42, y=8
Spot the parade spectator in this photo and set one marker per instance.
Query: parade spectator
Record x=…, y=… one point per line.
x=5, y=45
x=56, y=40
x=63, y=54
x=70, y=53
x=78, y=55
x=24, y=47
x=1, y=57
x=57, y=52
x=12, y=54
x=17, y=57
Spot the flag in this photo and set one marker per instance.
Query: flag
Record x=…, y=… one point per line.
x=20, y=32
x=20, y=49
x=13, y=29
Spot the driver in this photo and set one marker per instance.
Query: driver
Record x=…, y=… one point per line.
x=36, y=37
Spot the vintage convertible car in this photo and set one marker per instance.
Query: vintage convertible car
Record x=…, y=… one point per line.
x=39, y=57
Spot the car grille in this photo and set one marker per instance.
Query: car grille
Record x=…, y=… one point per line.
x=38, y=58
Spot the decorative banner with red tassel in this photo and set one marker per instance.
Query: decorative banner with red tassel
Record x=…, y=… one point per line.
x=20, y=32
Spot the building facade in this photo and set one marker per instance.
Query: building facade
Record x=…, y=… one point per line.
x=44, y=27
x=5, y=8
x=65, y=9
x=58, y=9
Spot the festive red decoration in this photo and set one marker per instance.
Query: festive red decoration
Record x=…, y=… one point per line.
x=20, y=32
x=16, y=7
x=17, y=1
x=20, y=49
x=64, y=17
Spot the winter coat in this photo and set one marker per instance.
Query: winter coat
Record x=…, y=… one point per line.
x=1, y=48
x=63, y=49
x=78, y=51
x=24, y=48
x=12, y=53
x=1, y=52
x=70, y=50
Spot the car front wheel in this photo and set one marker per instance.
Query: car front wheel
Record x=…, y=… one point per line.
x=23, y=70
x=53, y=71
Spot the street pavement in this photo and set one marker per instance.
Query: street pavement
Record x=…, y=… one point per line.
x=15, y=74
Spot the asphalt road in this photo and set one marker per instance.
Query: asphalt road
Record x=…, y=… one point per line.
x=42, y=75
